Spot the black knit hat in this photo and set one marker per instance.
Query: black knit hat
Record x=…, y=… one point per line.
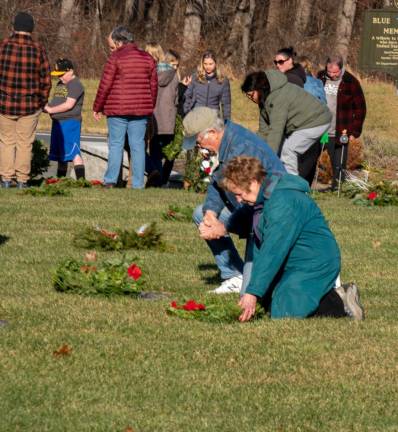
x=23, y=22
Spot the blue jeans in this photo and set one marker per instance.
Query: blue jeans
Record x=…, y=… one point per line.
x=135, y=126
x=227, y=257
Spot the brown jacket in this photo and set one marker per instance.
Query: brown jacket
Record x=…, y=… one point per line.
x=167, y=101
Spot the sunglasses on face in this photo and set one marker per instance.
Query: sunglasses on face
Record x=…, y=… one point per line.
x=280, y=62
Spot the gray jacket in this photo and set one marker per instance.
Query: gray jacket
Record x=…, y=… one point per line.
x=211, y=94
x=166, y=104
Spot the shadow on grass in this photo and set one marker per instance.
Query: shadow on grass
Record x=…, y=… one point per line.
x=3, y=239
x=209, y=279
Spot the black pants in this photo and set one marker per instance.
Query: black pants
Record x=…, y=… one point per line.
x=338, y=157
x=307, y=162
x=330, y=306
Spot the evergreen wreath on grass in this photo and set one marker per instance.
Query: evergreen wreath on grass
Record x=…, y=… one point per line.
x=370, y=194
x=68, y=182
x=118, y=276
x=178, y=214
x=146, y=237
x=215, y=311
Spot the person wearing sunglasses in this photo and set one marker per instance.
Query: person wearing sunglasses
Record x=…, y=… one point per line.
x=284, y=62
x=291, y=119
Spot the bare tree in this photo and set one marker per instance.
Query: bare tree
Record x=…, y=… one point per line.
x=129, y=8
x=303, y=15
x=194, y=13
x=345, y=20
x=68, y=12
x=239, y=36
x=152, y=19
x=272, y=24
x=96, y=34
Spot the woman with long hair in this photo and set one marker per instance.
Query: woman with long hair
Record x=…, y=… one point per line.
x=164, y=116
x=209, y=88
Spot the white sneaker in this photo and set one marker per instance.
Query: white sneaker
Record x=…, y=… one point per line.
x=231, y=285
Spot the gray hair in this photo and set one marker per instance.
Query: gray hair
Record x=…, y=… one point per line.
x=121, y=34
x=335, y=59
x=217, y=125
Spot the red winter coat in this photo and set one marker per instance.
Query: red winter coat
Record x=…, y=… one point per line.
x=129, y=83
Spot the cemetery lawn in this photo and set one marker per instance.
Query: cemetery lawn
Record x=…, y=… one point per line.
x=133, y=365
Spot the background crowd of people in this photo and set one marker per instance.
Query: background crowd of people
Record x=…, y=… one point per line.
x=259, y=181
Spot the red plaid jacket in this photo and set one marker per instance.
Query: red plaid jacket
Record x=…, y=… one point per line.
x=25, y=80
x=351, y=105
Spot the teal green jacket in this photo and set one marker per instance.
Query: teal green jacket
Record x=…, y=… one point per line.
x=289, y=108
x=296, y=254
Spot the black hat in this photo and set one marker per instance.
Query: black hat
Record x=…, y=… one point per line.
x=23, y=22
x=62, y=66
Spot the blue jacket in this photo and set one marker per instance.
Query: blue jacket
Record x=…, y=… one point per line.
x=295, y=253
x=211, y=94
x=314, y=86
x=238, y=141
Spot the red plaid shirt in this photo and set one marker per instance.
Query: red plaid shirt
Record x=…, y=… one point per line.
x=25, y=80
x=351, y=105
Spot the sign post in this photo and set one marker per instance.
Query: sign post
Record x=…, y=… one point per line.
x=379, y=44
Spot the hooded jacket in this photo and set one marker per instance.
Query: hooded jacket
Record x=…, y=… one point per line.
x=288, y=108
x=296, y=254
x=166, y=103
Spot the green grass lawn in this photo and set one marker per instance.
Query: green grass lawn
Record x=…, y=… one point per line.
x=133, y=365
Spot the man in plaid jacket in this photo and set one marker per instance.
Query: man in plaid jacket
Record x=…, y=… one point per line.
x=347, y=104
x=25, y=85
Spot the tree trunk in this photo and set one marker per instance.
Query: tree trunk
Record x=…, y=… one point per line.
x=152, y=19
x=272, y=24
x=240, y=34
x=129, y=10
x=304, y=9
x=192, y=26
x=345, y=20
x=96, y=34
x=68, y=10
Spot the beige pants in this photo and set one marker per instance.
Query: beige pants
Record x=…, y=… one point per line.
x=16, y=138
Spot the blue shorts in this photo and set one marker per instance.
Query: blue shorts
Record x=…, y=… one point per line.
x=65, y=140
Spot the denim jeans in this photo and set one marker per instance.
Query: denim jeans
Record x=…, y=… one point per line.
x=227, y=257
x=135, y=126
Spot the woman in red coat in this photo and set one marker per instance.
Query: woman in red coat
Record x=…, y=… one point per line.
x=127, y=96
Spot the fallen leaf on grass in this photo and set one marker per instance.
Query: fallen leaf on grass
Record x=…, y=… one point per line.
x=90, y=256
x=129, y=429
x=376, y=244
x=64, y=350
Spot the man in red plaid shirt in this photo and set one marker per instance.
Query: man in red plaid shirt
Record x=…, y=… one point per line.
x=25, y=85
x=346, y=102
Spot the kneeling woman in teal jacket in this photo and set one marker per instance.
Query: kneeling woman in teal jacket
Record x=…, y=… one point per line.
x=296, y=259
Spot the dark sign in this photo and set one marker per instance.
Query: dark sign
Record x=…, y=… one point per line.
x=379, y=48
